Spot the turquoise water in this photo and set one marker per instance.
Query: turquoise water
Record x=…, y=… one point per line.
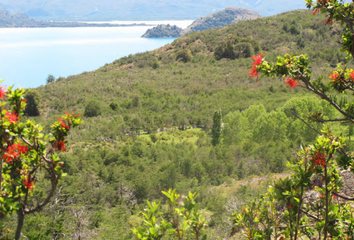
x=27, y=56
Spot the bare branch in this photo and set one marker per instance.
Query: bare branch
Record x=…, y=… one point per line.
x=293, y=111
x=336, y=120
x=311, y=216
x=323, y=96
x=27, y=142
x=54, y=181
x=345, y=198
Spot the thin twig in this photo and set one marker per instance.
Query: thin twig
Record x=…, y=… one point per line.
x=293, y=111
x=346, y=198
x=311, y=216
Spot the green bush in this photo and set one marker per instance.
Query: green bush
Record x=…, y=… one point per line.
x=34, y=103
x=234, y=47
x=155, y=65
x=184, y=55
x=114, y=106
x=93, y=109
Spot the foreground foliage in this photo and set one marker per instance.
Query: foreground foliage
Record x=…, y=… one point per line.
x=307, y=204
x=28, y=157
x=184, y=219
x=154, y=129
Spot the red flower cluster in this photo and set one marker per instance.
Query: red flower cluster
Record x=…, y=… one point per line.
x=291, y=82
x=319, y=159
x=328, y=20
x=335, y=77
x=62, y=123
x=351, y=75
x=29, y=184
x=2, y=92
x=72, y=114
x=252, y=72
x=257, y=61
x=14, y=151
x=11, y=117
x=59, y=145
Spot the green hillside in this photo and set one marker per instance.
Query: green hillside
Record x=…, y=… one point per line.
x=148, y=119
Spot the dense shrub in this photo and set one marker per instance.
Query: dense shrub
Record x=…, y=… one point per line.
x=93, y=109
x=184, y=55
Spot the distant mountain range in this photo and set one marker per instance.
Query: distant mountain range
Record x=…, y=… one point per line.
x=140, y=9
x=19, y=20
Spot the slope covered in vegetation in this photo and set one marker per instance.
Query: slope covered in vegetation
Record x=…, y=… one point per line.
x=118, y=159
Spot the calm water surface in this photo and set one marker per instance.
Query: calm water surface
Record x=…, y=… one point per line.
x=27, y=56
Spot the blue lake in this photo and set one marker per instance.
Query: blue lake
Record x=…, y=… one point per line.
x=28, y=55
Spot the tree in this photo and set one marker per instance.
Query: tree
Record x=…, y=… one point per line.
x=216, y=129
x=93, y=109
x=287, y=210
x=50, y=78
x=28, y=157
x=34, y=103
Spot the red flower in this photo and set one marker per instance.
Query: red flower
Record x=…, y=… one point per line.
x=291, y=82
x=72, y=114
x=335, y=196
x=60, y=145
x=62, y=123
x=253, y=72
x=12, y=117
x=351, y=75
x=22, y=149
x=2, y=92
x=319, y=159
x=333, y=76
x=29, y=184
x=14, y=151
x=257, y=59
x=315, y=11
x=290, y=206
x=329, y=20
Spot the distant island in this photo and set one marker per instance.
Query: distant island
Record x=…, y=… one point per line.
x=216, y=20
x=19, y=20
x=163, y=31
